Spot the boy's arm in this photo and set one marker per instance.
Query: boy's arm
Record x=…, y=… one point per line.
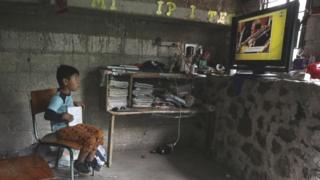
x=52, y=114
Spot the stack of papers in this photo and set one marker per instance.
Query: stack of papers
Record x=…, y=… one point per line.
x=123, y=69
x=143, y=95
x=117, y=95
x=76, y=112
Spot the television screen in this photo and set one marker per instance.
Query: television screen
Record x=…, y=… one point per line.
x=264, y=38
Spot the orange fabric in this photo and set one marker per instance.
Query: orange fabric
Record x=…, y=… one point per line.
x=90, y=137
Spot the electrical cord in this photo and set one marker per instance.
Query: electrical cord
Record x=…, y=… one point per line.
x=179, y=119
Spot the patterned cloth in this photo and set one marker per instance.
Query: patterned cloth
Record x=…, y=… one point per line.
x=88, y=136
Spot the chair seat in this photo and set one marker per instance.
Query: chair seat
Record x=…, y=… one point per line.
x=51, y=138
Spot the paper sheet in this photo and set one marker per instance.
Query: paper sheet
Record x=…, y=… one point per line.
x=76, y=112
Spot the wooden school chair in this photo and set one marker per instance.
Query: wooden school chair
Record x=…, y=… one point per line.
x=40, y=100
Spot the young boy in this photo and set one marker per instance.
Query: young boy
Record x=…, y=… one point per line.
x=88, y=136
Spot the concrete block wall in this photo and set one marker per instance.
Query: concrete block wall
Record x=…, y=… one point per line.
x=34, y=41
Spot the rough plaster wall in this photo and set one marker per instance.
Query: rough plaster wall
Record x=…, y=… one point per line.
x=248, y=6
x=34, y=41
x=135, y=5
x=265, y=130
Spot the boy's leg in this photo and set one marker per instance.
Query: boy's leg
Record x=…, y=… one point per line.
x=94, y=131
x=91, y=155
x=98, y=134
x=79, y=135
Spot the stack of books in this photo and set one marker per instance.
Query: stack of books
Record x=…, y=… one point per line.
x=143, y=95
x=117, y=95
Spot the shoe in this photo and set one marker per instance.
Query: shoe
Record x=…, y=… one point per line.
x=81, y=167
x=94, y=165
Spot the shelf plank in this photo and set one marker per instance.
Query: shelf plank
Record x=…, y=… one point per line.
x=160, y=75
x=135, y=111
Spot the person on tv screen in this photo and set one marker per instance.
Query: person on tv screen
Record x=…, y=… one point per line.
x=254, y=36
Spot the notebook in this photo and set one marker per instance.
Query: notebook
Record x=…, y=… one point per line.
x=76, y=112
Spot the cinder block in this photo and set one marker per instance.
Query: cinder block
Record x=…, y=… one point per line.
x=4, y=123
x=8, y=62
x=165, y=51
x=132, y=47
x=9, y=40
x=16, y=140
x=97, y=44
x=103, y=44
x=66, y=59
x=60, y=42
x=140, y=47
x=14, y=79
x=79, y=43
x=80, y=61
x=114, y=45
x=14, y=102
x=20, y=121
x=38, y=81
x=148, y=49
x=44, y=63
x=31, y=41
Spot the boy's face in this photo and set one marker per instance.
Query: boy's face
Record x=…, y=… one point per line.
x=73, y=83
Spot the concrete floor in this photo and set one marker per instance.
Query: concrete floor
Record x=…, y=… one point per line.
x=142, y=165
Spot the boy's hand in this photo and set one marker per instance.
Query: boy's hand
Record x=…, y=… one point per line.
x=68, y=117
x=76, y=103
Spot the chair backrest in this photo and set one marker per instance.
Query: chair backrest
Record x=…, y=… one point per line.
x=40, y=100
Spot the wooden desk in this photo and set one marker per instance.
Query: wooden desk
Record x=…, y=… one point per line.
x=137, y=111
x=25, y=168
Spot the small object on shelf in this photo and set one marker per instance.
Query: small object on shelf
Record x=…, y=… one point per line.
x=314, y=70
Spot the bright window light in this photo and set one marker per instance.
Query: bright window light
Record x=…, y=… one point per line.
x=273, y=3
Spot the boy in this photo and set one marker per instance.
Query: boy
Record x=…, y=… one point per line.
x=88, y=136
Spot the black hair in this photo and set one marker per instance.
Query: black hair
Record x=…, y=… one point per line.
x=65, y=72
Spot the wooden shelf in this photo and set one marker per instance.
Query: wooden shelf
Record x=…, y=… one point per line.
x=139, y=74
x=135, y=111
x=160, y=75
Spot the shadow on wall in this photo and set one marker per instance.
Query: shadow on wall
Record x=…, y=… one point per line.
x=91, y=95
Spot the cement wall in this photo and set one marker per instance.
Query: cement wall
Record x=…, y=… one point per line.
x=265, y=129
x=34, y=40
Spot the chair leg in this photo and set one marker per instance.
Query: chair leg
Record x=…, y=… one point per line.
x=60, y=151
x=71, y=164
x=36, y=148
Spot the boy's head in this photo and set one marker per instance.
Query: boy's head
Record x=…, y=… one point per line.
x=68, y=77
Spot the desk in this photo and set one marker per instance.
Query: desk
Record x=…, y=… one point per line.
x=137, y=111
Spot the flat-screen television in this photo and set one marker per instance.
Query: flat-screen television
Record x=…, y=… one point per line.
x=264, y=40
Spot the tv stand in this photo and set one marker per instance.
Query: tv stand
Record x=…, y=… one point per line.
x=261, y=72
x=253, y=73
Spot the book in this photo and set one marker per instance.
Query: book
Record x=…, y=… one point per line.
x=76, y=112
